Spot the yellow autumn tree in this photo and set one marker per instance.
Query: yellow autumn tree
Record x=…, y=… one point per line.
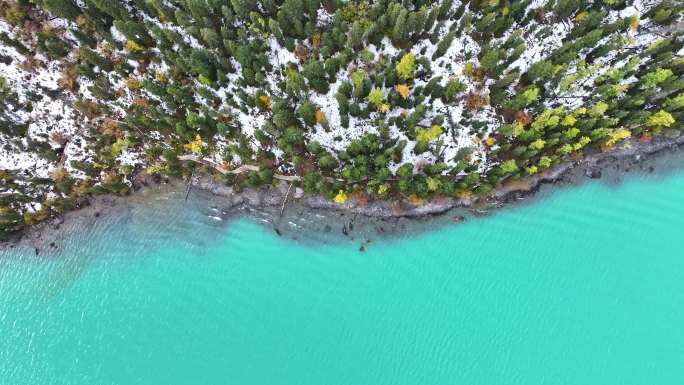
x=375, y=97
x=406, y=66
x=382, y=189
x=403, y=90
x=265, y=101
x=634, y=23
x=133, y=83
x=320, y=117
x=195, y=146
x=341, y=197
x=428, y=135
x=618, y=135
x=133, y=46
x=581, y=16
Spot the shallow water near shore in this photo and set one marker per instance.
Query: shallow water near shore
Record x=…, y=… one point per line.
x=585, y=285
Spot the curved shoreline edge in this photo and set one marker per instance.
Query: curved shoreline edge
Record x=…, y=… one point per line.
x=590, y=166
x=272, y=201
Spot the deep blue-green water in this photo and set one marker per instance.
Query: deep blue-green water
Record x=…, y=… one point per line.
x=583, y=287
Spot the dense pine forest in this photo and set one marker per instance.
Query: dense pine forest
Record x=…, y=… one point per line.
x=349, y=99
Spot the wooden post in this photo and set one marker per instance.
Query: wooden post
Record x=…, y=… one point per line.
x=282, y=208
x=187, y=190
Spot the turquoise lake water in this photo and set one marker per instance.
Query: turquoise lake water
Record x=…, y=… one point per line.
x=585, y=286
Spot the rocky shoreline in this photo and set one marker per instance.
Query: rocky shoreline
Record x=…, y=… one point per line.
x=592, y=166
x=293, y=212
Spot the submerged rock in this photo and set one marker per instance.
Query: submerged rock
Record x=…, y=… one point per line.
x=593, y=173
x=298, y=192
